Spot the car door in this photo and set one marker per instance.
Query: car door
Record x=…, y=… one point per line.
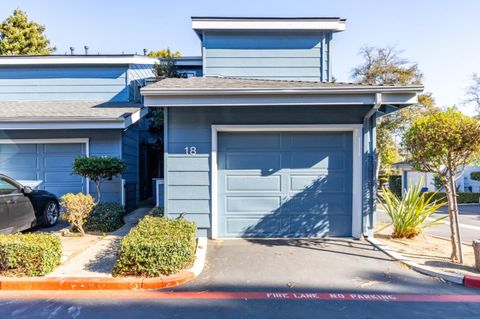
x=20, y=209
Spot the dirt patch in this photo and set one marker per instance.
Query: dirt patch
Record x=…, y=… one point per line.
x=429, y=251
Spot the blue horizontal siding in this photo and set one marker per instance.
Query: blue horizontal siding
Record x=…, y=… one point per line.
x=268, y=55
x=46, y=83
x=188, y=177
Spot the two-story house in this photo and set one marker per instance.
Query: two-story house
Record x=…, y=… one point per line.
x=264, y=144
x=54, y=108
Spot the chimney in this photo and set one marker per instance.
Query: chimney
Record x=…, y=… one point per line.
x=145, y=51
x=72, y=50
x=86, y=50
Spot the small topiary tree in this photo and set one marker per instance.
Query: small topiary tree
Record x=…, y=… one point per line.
x=443, y=143
x=98, y=169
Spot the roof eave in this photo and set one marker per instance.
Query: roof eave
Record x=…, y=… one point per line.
x=146, y=91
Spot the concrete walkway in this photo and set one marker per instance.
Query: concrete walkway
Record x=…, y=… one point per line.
x=99, y=258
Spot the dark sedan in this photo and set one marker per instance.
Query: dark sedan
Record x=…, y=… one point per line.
x=22, y=208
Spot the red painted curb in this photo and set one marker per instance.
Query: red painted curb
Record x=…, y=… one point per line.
x=471, y=281
x=94, y=283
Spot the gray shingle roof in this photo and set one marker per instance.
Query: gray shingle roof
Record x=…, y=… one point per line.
x=66, y=110
x=217, y=83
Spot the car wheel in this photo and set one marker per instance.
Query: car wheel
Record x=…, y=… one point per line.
x=51, y=212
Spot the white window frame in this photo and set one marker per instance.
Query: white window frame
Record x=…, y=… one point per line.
x=357, y=163
x=82, y=140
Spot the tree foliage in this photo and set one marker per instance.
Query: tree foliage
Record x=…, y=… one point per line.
x=21, y=36
x=473, y=92
x=165, y=53
x=386, y=66
x=442, y=143
x=98, y=169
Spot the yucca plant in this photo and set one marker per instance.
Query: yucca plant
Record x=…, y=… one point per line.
x=410, y=214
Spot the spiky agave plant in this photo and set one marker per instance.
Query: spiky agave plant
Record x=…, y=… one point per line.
x=410, y=214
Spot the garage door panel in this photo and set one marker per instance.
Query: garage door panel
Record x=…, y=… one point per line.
x=48, y=166
x=18, y=162
x=317, y=160
x=323, y=203
x=52, y=177
x=253, y=183
x=18, y=148
x=63, y=148
x=252, y=204
x=257, y=227
x=309, y=141
x=250, y=160
x=264, y=141
x=63, y=189
x=331, y=182
x=301, y=189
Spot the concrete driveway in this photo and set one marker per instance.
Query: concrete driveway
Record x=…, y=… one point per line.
x=309, y=265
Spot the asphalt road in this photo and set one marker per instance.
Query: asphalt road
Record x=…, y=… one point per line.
x=469, y=222
x=331, y=278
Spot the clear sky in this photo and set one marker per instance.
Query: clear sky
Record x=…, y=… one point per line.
x=441, y=35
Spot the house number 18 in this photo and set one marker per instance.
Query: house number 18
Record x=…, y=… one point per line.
x=190, y=150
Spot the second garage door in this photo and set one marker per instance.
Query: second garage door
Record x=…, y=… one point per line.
x=48, y=165
x=284, y=184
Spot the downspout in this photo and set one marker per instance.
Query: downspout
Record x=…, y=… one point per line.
x=369, y=187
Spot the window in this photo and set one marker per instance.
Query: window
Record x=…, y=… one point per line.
x=7, y=188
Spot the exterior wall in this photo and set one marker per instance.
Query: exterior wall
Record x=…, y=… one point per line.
x=187, y=181
x=136, y=74
x=130, y=154
x=303, y=56
x=102, y=143
x=49, y=83
x=81, y=82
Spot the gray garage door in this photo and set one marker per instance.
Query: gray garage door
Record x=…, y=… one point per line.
x=50, y=165
x=284, y=184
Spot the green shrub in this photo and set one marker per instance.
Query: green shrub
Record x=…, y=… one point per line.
x=157, y=211
x=475, y=176
x=106, y=217
x=462, y=198
x=156, y=246
x=29, y=254
x=395, y=184
x=98, y=169
x=409, y=214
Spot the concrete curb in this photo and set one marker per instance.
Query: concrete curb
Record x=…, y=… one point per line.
x=470, y=281
x=110, y=283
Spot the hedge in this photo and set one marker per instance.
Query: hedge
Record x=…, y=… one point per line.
x=462, y=198
x=106, y=217
x=395, y=184
x=29, y=254
x=157, y=246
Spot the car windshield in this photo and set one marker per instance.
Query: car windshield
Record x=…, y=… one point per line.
x=7, y=188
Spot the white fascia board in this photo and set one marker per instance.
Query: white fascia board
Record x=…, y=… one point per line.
x=135, y=117
x=249, y=91
x=60, y=125
x=403, y=99
x=269, y=24
x=66, y=60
